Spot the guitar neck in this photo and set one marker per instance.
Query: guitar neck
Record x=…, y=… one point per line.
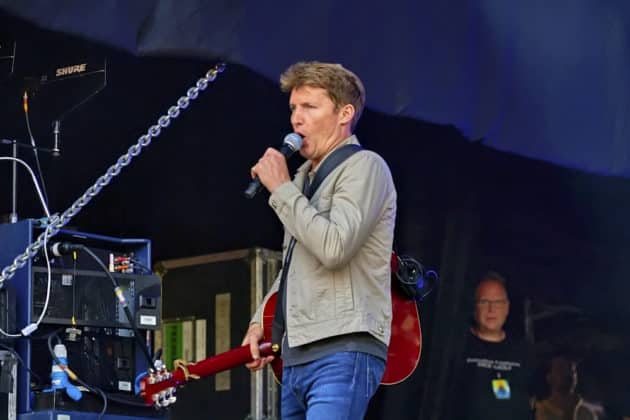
x=224, y=361
x=210, y=366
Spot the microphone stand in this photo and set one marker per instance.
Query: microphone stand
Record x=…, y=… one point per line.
x=13, y=217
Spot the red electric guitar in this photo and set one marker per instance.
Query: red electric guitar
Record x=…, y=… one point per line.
x=403, y=354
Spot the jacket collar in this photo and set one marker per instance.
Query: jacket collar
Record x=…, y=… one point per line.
x=306, y=166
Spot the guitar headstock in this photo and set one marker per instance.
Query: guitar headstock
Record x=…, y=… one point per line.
x=158, y=387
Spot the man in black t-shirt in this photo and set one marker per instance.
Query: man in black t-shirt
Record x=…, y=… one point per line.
x=494, y=379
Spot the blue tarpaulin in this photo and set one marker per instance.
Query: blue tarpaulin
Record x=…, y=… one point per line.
x=549, y=81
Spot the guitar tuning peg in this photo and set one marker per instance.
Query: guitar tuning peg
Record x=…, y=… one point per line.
x=158, y=365
x=172, y=399
x=164, y=399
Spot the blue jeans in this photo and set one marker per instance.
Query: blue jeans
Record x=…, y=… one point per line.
x=335, y=387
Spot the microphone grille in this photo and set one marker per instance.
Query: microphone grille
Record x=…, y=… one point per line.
x=293, y=140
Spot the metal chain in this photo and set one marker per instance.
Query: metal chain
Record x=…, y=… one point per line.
x=56, y=222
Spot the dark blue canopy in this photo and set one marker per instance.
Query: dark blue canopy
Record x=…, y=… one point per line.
x=543, y=80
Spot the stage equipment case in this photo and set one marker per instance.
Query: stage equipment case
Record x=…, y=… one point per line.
x=207, y=304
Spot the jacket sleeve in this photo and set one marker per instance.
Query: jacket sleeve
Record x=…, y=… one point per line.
x=361, y=188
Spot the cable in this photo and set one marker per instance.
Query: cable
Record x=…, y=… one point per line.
x=32, y=327
x=123, y=302
x=73, y=320
x=24, y=365
x=39, y=191
x=50, y=348
x=95, y=390
x=30, y=133
x=429, y=274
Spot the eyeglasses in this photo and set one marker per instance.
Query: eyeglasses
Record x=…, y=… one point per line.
x=488, y=302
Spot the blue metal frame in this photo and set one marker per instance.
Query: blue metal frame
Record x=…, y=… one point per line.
x=14, y=238
x=75, y=415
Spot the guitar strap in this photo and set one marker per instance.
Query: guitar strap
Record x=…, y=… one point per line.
x=309, y=189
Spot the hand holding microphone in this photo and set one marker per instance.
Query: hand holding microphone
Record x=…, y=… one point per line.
x=271, y=170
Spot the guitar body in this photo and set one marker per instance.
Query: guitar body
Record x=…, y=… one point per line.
x=405, y=344
x=269, y=311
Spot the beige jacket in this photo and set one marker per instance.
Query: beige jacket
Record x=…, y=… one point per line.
x=339, y=276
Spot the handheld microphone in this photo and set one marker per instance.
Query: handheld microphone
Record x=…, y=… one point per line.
x=291, y=144
x=55, y=150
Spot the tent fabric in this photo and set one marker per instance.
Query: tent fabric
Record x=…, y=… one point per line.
x=546, y=81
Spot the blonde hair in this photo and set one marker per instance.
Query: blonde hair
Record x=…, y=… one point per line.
x=343, y=86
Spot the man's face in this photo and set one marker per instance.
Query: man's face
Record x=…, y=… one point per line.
x=491, y=306
x=315, y=117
